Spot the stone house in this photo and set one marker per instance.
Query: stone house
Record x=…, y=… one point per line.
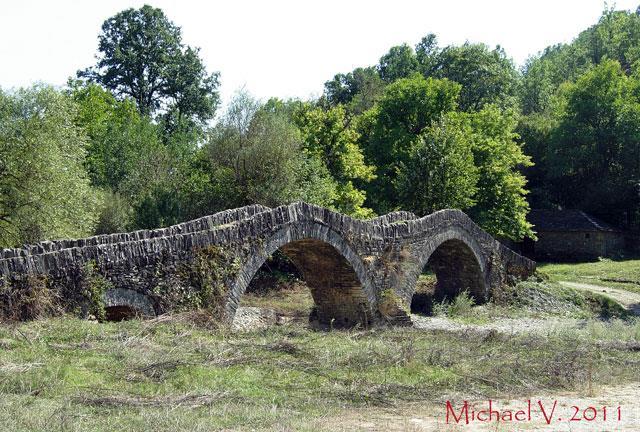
x=571, y=235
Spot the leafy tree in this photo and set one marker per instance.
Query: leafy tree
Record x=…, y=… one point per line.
x=141, y=55
x=440, y=172
x=358, y=90
x=501, y=207
x=44, y=189
x=594, y=156
x=389, y=130
x=259, y=154
x=119, y=137
x=328, y=137
x=616, y=36
x=486, y=76
x=535, y=132
x=399, y=62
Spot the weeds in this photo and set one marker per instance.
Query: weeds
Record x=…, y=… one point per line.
x=104, y=375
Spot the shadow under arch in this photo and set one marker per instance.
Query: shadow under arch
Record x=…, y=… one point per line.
x=458, y=263
x=341, y=289
x=121, y=304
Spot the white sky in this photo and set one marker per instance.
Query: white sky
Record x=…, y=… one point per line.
x=285, y=48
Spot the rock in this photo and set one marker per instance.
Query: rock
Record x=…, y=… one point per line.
x=251, y=318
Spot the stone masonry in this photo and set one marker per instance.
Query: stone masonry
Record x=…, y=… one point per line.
x=360, y=272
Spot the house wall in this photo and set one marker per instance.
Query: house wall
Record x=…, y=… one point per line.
x=575, y=245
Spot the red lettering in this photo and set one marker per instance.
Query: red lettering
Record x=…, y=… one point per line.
x=507, y=415
x=549, y=417
x=591, y=410
x=575, y=413
x=464, y=410
x=492, y=411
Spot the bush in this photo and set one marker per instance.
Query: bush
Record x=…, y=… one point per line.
x=28, y=299
x=461, y=306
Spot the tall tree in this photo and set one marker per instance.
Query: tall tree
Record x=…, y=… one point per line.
x=389, y=130
x=501, y=206
x=486, y=76
x=594, y=152
x=399, y=62
x=255, y=155
x=119, y=137
x=141, y=55
x=616, y=36
x=328, y=136
x=44, y=189
x=440, y=172
x=357, y=90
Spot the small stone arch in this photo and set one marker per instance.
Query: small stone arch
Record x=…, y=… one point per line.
x=458, y=262
x=122, y=303
x=340, y=286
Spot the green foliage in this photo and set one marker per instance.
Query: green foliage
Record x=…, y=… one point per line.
x=210, y=273
x=44, y=189
x=93, y=288
x=399, y=62
x=501, y=207
x=328, y=137
x=440, y=172
x=142, y=56
x=119, y=137
x=486, y=76
x=259, y=152
x=116, y=214
x=358, y=90
x=429, y=157
x=460, y=306
x=389, y=130
x=616, y=36
x=594, y=148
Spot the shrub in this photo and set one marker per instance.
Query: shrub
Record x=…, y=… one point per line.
x=27, y=299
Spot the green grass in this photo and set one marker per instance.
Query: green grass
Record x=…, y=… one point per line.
x=534, y=298
x=291, y=298
x=621, y=274
x=173, y=375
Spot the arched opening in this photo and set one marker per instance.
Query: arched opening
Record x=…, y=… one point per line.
x=280, y=287
x=336, y=297
x=122, y=304
x=452, y=268
x=121, y=313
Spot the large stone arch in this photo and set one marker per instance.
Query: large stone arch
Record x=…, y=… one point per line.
x=340, y=285
x=458, y=261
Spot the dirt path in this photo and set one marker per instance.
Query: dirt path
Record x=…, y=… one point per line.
x=501, y=325
x=628, y=299
x=431, y=416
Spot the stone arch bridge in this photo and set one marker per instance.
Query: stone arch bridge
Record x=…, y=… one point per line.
x=359, y=271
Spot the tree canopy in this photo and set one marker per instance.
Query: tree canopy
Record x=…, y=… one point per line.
x=133, y=143
x=141, y=56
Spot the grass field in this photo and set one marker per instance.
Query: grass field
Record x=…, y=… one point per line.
x=622, y=274
x=182, y=373
x=172, y=374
